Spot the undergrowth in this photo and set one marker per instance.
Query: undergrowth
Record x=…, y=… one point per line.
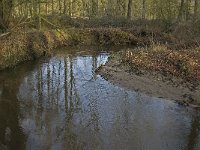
x=159, y=58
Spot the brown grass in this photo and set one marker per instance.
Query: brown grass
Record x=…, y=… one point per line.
x=22, y=46
x=158, y=58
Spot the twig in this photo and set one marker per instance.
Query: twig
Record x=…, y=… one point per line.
x=5, y=34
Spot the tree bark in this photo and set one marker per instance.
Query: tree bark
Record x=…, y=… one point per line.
x=5, y=13
x=196, y=5
x=180, y=14
x=52, y=6
x=1, y=15
x=64, y=7
x=60, y=7
x=188, y=9
x=143, y=9
x=94, y=8
x=130, y=9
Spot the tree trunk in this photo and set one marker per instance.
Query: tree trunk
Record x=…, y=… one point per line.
x=196, y=5
x=5, y=13
x=94, y=8
x=188, y=4
x=70, y=8
x=60, y=7
x=46, y=8
x=52, y=6
x=1, y=15
x=40, y=19
x=130, y=9
x=180, y=15
x=64, y=7
x=109, y=10
x=143, y=9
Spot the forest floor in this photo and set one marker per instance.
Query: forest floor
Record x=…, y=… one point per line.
x=157, y=71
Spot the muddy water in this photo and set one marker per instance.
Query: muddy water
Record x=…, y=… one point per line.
x=61, y=104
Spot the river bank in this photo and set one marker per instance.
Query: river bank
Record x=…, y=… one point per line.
x=28, y=44
x=157, y=71
x=160, y=66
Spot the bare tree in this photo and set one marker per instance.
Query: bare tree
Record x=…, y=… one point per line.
x=5, y=13
x=130, y=9
x=181, y=9
x=143, y=9
x=196, y=6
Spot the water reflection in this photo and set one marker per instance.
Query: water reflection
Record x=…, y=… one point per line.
x=12, y=136
x=60, y=103
x=194, y=138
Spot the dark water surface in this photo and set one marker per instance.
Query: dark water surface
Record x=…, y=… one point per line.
x=61, y=104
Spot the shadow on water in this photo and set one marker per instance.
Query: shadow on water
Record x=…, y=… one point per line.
x=11, y=134
x=60, y=103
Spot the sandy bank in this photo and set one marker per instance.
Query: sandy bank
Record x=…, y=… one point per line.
x=151, y=83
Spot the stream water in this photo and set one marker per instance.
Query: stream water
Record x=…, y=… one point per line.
x=60, y=103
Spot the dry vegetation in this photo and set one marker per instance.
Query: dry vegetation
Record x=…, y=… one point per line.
x=159, y=58
x=26, y=43
x=22, y=46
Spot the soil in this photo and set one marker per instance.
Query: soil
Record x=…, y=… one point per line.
x=151, y=83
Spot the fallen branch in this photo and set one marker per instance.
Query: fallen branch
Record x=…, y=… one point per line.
x=5, y=34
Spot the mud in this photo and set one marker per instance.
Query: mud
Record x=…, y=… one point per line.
x=151, y=83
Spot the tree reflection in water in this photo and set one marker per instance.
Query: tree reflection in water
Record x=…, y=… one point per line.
x=60, y=103
x=53, y=103
x=194, y=136
x=12, y=136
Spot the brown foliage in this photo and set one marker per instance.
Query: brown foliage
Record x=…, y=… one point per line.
x=183, y=63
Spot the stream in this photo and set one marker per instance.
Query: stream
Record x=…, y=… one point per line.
x=59, y=103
